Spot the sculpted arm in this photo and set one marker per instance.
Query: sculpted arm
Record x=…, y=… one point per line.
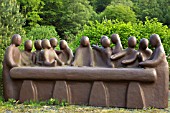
x=118, y=55
x=9, y=58
x=70, y=53
x=91, y=56
x=129, y=61
x=154, y=62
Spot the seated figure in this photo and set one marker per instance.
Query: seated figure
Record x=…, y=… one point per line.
x=26, y=55
x=158, y=56
x=37, y=57
x=54, y=43
x=49, y=56
x=144, y=51
x=83, y=54
x=12, y=58
x=66, y=54
x=159, y=62
x=105, y=52
x=118, y=46
x=127, y=57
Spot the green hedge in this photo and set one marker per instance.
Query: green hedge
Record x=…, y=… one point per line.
x=94, y=30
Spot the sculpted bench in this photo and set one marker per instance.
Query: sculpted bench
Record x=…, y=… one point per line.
x=118, y=87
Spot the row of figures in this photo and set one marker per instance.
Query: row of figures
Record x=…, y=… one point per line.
x=85, y=55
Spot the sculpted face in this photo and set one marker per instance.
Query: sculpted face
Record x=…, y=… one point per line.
x=84, y=41
x=143, y=43
x=28, y=45
x=16, y=40
x=63, y=44
x=53, y=42
x=46, y=44
x=37, y=45
x=115, y=38
x=155, y=40
x=106, y=42
x=103, y=37
x=132, y=42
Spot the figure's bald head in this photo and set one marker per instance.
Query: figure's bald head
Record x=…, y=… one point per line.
x=53, y=42
x=132, y=42
x=37, y=45
x=106, y=42
x=84, y=41
x=63, y=44
x=155, y=40
x=103, y=37
x=28, y=45
x=115, y=38
x=143, y=43
x=46, y=44
x=16, y=40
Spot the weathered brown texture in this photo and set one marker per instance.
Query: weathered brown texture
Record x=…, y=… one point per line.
x=135, y=96
x=127, y=57
x=144, y=52
x=12, y=58
x=118, y=46
x=66, y=54
x=97, y=86
x=26, y=55
x=104, y=54
x=159, y=62
x=50, y=58
x=84, y=74
x=103, y=95
x=80, y=84
x=28, y=91
x=37, y=57
x=61, y=91
x=84, y=54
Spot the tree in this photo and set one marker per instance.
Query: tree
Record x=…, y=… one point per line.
x=67, y=15
x=11, y=21
x=120, y=12
x=31, y=9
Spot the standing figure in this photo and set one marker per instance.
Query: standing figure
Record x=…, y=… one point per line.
x=66, y=55
x=12, y=58
x=84, y=53
x=37, y=57
x=159, y=62
x=49, y=56
x=144, y=52
x=128, y=57
x=105, y=52
x=26, y=55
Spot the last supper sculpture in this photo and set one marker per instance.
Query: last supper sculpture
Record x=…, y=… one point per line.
x=96, y=76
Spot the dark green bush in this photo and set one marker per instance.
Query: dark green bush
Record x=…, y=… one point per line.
x=94, y=30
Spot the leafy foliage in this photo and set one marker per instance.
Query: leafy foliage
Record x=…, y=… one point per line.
x=120, y=12
x=11, y=22
x=94, y=30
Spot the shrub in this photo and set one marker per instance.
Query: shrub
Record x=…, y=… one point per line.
x=94, y=30
x=41, y=32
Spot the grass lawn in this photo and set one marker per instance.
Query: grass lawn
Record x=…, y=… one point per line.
x=12, y=106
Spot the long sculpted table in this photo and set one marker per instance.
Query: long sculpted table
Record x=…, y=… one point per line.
x=118, y=87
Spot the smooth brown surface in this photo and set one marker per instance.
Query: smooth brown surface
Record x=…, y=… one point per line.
x=83, y=73
x=28, y=91
x=135, y=96
x=103, y=95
